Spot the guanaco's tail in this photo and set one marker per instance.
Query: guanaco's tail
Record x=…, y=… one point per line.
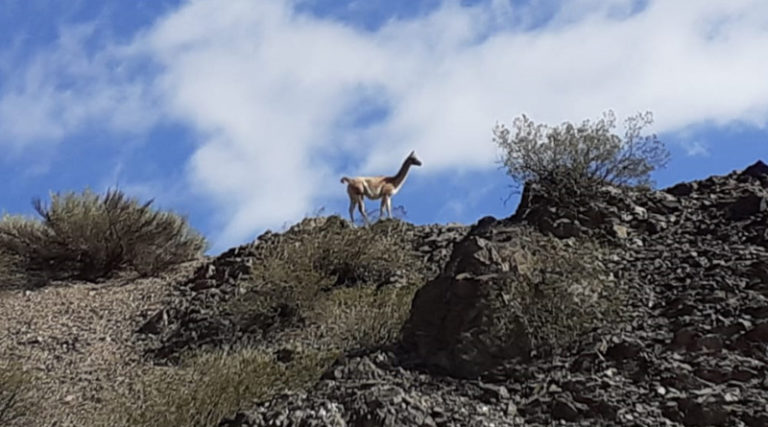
x=344, y=179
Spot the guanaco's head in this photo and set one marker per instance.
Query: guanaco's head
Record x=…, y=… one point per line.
x=412, y=159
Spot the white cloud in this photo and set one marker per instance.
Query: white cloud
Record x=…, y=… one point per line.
x=270, y=92
x=65, y=88
x=695, y=147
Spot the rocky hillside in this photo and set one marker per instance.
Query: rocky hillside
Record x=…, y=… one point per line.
x=207, y=311
x=657, y=316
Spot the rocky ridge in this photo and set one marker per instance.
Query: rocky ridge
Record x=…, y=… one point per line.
x=196, y=316
x=690, y=349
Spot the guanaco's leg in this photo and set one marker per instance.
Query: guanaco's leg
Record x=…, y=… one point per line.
x=352, y=209
x=361, y=208
x=383, y=207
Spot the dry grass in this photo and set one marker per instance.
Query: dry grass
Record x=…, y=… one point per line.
x=15, y=393
x=86, y=236
x=208, y=387
x=334, y=279
x=360, y=318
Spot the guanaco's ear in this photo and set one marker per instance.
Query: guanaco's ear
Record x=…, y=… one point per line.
x=413, y=153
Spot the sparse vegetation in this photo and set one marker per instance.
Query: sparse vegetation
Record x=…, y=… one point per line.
x=12, y=273
x=319, y=290
x=207, y=387
x=87, y=236
x=15, y=386
x=331, y=276
x=563, y=289
x=361, y=318
x=581, y=157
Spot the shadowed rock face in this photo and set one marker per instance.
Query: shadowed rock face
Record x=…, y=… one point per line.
x=690, y=348
x=455, y=322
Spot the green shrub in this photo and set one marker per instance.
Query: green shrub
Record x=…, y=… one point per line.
x=87, y=236
x=582, y=157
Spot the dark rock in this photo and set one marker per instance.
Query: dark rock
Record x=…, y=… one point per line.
x=685, y=339
x=285, y=355
x=624, y=350
x=156, y=324
x=757, y=170
x=566, y=409
x=565, y=228
x=682, y=189
x=756, y=420
x=758, y=334
x=713, y=375
x=491, y=393
x=702, y=413
x=709, y=343
x=743, y=375
x=452, y=327
x=746, y=206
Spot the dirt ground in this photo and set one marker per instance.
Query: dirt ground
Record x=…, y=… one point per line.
x=78, y=341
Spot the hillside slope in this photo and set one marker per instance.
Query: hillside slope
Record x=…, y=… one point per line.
x=634, y=308
x=689, y=348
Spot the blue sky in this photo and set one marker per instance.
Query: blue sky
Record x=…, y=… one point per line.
x=244, y=114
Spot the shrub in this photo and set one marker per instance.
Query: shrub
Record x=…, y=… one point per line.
x=563, y=289
x=13, y=274
x=360, y=318
x=301, y=272
x=585, y=156
x=87, y=236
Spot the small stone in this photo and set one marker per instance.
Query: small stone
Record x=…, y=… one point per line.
x=620, y=231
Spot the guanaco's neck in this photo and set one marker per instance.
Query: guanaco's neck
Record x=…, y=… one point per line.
x=398, y=179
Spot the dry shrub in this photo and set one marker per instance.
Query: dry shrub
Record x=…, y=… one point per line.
x=15, y=392
x=582, y=157
x=87, y=236
x=315, y=275
x=13, y=274
x=208, y=387
x=354, y=319
x=562, y=289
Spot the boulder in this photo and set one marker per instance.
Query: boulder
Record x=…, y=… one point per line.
x=457, y=322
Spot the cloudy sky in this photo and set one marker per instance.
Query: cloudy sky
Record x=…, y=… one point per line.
x=244, y=114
